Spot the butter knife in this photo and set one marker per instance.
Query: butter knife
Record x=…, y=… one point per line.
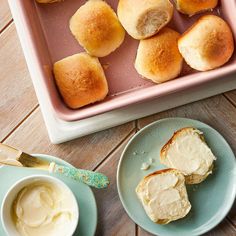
x=14, y=157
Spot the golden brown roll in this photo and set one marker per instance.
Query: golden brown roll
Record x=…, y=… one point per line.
x=208, y=44
x=191, y=7
x=97, y=28
x=80, y=80
x=158, y=57
x=188, y=152
x=164, y=196
x=48, y=1
x=143, y=19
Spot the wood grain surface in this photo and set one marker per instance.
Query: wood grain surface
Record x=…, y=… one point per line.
x=5, y=15
x=112, y=219
x=21, y=125
x=17, y=96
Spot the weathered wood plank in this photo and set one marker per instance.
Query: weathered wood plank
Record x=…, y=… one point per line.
x=17, y=96
x=112, y=218
x=232, y=214
x=5, y=14
x=86, y=152
x=142, y=232
x=218, y=112
x=231, y=96
x=223, y=229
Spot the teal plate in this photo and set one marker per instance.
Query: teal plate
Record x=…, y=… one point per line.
x=211, y=200
x=84, y=195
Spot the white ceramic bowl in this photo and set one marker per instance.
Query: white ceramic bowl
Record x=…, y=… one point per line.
x=10, y=196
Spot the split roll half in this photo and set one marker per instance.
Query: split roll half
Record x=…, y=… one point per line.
x=143, y=19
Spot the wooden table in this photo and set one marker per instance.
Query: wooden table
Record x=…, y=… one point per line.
x=21, y=125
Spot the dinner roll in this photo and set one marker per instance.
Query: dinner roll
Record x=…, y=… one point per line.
x=143, y=19
x=163, y=196
x=191, y=7
x=208, y=44
x=97, y=28
x=48, y=1
x=188, y=152
x=158, y=57
x=80, y=80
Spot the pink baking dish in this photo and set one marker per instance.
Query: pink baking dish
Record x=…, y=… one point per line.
x=46, y=31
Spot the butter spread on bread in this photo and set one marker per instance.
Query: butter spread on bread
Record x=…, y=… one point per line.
x=188, y=152
x=163, y=195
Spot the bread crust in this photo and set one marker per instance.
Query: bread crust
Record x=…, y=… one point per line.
x=80, y=79
x=48, y=1
x=97, y=28
x=192, y=7
x=189, y=179
x=160, y=172
x=207, y=44
x=143, y=19
x=173, y=138
x=181, y=180
x=197, y=179
x=158, y=57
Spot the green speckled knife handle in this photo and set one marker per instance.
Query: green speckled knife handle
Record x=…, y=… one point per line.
x=90, y=178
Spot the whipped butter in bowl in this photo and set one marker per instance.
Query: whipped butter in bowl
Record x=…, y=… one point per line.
x=40, y=205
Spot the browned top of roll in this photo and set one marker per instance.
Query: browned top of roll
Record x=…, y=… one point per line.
x=191, y=7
